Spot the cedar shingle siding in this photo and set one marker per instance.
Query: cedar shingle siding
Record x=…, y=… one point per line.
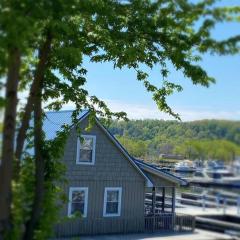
x=111, y=169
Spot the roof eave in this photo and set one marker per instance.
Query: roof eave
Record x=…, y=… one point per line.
x=162, y=174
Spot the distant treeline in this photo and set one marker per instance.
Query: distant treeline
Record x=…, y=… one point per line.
x=205, y=139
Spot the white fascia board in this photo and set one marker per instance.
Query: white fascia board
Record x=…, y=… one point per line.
x=161, y=174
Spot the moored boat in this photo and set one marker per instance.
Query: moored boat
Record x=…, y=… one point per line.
x=185, y=166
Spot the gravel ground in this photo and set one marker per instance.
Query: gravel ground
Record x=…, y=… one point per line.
x=197, y=235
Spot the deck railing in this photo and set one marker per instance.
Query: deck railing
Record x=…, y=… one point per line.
x=170, y=222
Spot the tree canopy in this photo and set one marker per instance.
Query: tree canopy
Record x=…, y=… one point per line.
x=206, y=139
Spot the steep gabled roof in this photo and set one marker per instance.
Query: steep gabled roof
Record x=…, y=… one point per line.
x=54, y=120
x=159, y=172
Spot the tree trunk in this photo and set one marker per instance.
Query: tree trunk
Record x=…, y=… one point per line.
x=9, y=124
x=39, y=167
x=41, y=67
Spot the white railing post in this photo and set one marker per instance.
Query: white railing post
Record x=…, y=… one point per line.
x=204, y=202
x=224, y=205
x=238, y=205
x=154, y=206
x=218, y=201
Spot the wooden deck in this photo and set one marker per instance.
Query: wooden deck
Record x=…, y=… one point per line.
x=160, y=212
x=170, y=222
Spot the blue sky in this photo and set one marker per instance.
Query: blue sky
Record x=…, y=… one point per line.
x=121, y=90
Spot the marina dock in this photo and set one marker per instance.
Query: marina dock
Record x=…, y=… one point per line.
x=209, y=215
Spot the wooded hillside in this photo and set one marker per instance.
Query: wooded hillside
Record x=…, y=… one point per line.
x=197, y=140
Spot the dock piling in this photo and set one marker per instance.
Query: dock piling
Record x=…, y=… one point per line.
x=218, y=201
x=224, y=205
x=204, y=202
x=238, y=206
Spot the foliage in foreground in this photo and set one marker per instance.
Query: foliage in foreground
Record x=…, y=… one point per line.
x=54, y=196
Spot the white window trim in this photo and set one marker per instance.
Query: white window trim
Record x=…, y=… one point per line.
x=119, y=189
x=93, y=151
x=71, y=189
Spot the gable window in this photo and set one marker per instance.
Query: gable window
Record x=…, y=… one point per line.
x=112, y=202
x=86, y=150
x=78, y=200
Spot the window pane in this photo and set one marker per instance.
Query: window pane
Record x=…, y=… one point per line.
x=77, y=208
x=85, y=155
x=112, y=208
x=78, y=196
x=112, y=196
x=87, y=143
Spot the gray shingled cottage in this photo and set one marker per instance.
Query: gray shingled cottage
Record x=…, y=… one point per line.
x=114, y=192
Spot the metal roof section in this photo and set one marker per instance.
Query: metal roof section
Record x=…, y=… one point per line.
x=54, y=120
x=154, y=170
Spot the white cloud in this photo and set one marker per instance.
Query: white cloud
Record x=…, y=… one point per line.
x=150, y=111
x=136, y=111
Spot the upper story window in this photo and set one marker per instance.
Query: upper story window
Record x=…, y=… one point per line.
x=112, y=202
x=78, y=200
x=86, y=150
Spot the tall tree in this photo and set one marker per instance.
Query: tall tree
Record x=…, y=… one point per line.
x=17, y=37
x=10, y=63
x=39, y=162
x=37, y=79
x=8, y=137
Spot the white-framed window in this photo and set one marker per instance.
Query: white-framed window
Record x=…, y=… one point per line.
x=78, y=201
x=86, y=150
x=112, y=202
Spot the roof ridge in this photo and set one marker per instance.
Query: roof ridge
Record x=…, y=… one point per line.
x=61, y=111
